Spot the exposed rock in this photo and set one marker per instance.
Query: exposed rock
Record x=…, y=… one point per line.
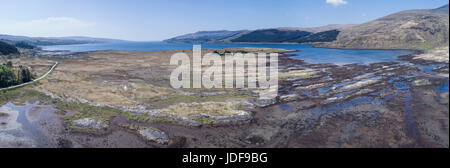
x=241, y=116
x=90, y=123
x=299, y=74
x=310, y=87
x=440, y=54
x=289, y=97
x=364, y=76
x=339, y=98
x=332, y=100
x=421, y=82
x=259, y=102
x=305, y=105
x=154, y=135
x=363, y=91
x=359, y=84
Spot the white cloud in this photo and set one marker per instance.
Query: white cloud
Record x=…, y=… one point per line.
x=337, y=2
x=51, y=27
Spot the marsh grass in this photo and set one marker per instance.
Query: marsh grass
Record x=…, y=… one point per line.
x=136, y=127
x=23, y=94
x=204, y=120
x=176, y=98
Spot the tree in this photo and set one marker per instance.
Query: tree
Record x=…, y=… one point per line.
x=10, y=76
x=26, y=75
x=7, y=76
x=6, y=49
x=25, y=45
x=9, y=64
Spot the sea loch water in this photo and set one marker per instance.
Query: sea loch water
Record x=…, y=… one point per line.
x=306, y=52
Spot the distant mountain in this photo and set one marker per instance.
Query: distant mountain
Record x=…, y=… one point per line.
x=274, y=35
x=412, y=29
x=204, y=36
x=6, y=49
x=54, y=40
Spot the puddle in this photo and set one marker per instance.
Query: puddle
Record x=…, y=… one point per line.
x=323, y=91
x=21, y=128
x=411, y=127
x=299, y=82
x=287, y=107
x=401, y=86
x=343, y=84
x=428, y=68
x=393, y=79
x=442, y=88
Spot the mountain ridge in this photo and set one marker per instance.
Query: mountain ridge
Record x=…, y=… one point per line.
x=411, y=29
x=421, y=29
x=273, y=35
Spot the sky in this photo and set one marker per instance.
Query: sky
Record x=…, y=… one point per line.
x=153, y=20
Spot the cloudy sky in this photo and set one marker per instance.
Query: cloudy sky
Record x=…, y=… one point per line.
x=151, y=20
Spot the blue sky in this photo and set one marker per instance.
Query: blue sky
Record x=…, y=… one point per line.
x=150, y=20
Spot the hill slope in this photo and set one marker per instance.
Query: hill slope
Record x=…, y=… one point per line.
x=204, y=36
x=274, y=35
x=413, y=29
x=271, y=35
x=325, y=36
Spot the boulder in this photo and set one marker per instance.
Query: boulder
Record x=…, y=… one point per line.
x=154, y=135
x=90, y=123
x=289, y=97
x=260, y=102
x=421, y=82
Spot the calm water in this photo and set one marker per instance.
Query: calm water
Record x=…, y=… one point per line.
x=307, y=52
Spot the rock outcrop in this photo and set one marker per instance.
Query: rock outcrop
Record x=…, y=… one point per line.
x=90, y=123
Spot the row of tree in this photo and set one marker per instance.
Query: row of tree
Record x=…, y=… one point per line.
x=10, y=76
x=22, y=44
x=6, y=49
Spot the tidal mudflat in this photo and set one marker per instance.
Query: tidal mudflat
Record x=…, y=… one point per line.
x=123, y=99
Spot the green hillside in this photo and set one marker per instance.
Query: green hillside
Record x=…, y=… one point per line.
x=6, y=49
